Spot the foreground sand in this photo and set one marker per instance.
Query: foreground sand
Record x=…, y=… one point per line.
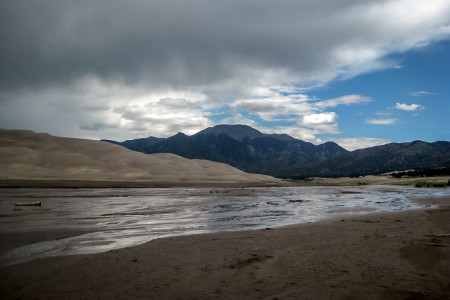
x=403, y=255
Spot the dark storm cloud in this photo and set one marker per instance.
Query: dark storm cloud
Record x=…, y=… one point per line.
x=172, y=42
x=97, y=126
x=178, y=104
x=75, y=67
x=256, y=106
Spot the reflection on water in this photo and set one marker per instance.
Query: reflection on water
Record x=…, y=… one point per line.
x=119, y=218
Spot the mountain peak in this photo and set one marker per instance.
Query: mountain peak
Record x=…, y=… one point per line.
x=180, y=134
x=329, y=144
x=237, y=132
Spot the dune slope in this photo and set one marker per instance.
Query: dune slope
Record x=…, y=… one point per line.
x=29, y=155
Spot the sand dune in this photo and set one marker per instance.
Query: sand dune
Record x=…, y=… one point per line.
x=29, y=155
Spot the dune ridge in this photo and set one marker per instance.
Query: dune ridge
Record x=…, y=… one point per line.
x=40, y=156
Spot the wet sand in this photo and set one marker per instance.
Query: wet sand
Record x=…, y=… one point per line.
x=404, y=255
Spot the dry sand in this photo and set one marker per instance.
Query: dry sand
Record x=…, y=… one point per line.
x=403, y=255
x=26, y=155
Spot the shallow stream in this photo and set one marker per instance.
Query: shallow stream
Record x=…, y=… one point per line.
x=117, y=218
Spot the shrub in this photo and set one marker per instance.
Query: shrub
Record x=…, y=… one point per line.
x=420, y=184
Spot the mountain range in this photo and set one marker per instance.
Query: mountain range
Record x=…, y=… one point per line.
x=281, y=155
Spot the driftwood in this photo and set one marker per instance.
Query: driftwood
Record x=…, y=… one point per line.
x=28, y=204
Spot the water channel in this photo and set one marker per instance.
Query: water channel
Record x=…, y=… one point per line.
x=117, y=218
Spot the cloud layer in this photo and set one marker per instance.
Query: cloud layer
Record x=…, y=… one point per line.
x=109, y=68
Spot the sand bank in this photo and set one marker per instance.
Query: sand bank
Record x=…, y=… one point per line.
x=378, y=256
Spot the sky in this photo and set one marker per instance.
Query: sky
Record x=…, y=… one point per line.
x=357, y=72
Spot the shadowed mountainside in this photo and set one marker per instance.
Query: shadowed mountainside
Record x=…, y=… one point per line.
x=242, y=147
x=381, y=159
x=281, y=155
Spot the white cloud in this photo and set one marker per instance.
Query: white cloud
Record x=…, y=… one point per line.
x=421, y=93
x=381, y=121
x=275, y=106
x=344, y=100
x=360, y=143
x=97, y=109
x=163, y=118
x=383, y=113
x=320, y=123
x=238, y=119
x=411, y=107
x=320, y=119
x=302, y=133
x=296, y=108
